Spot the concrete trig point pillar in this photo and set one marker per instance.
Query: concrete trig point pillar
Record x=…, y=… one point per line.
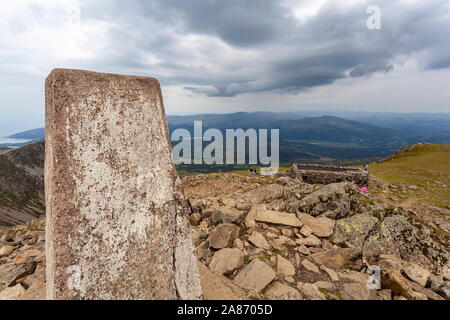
x=116, y=217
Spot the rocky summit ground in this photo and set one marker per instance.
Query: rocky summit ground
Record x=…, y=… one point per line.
x=277, y=237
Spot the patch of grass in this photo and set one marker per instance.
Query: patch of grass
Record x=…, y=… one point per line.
x=426, y=166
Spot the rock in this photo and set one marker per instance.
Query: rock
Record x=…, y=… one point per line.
x=6, y=251
x=203, y=252
x=400, y=298
x=445, y=291
x=417, y=273
x=9, y=273
x=321, y=227
x=310, y=266
x=238, y=244
x=339, y=258
x=217, y=287
x=310, y=291
x=353, y=276
x=256, y=275
x=279, y=291
x=229, y=202
x=311, y=241
x=328, y=286
x=306, y=231
x=436, y=282
x=223, y=236
x=303, y=250
x=431, y=295
x=331, y=273
x=260, y=213
x=385, y=294
x=243, y=206
x=12, y=292
x=446, y=276
x=195, y=219
x=287, y=232
x=227, y=215
x=225, y=261
x=355, y=291
x=332, y=201
x=259, y=241
x=393, y=280
x=354, y=230
x=284, y=267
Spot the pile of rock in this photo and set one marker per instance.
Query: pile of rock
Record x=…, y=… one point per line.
x=22, y=262
x=319, y=242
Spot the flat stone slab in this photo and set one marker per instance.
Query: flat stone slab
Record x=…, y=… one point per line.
x=116, y=217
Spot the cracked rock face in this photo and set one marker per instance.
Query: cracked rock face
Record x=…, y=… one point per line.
x=116, y=220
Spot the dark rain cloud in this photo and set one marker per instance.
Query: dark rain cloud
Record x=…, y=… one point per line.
x=269, y=48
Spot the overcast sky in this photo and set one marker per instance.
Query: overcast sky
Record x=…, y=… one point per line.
x=234, y=55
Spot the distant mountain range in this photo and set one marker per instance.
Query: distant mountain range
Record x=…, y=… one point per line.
x=309, y=135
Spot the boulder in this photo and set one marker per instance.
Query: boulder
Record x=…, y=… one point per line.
x=284, y=267
x=310, y=291
x=280, y=291
x=261, y=214
x=226, y=260
x=227, y=214
x=255, y=276
x=321, y=227
x=311, y=241
x=12, y=293
x=355, y=291
x=353, y=230
x=6, y=251
x=9, y=273
x=259, y=241
x=310, y=266
x=223, y=236
x=417, y=274
x=338, y=258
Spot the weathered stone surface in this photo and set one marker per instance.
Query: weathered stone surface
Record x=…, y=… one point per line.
x=280, y=291
x=258, y=240
x=393, y=280
x=417, y=273
x=310, y=266
x=332, y=201
x=310, y=291
x=355, y=291
x=226, y=260
x=195, y=219
x=117, y=225
x=227, y=215
x=217, y=287
x=9, y=273
x=12, y=293
x=354, y=230
x=331, y=273
x=260, y=213
x=6, y=251
x=311, y=241
x=338, y=258
x=223, y=236
x=256, y=276
x=316, y=174
x=284, y=267
x=321, y=227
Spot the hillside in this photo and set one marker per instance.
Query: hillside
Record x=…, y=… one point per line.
x=21, y=184
x=417, y=174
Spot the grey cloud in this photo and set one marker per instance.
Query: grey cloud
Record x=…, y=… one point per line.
x=288, y=55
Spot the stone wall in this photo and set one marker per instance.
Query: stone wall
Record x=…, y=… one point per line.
x=317, y=174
